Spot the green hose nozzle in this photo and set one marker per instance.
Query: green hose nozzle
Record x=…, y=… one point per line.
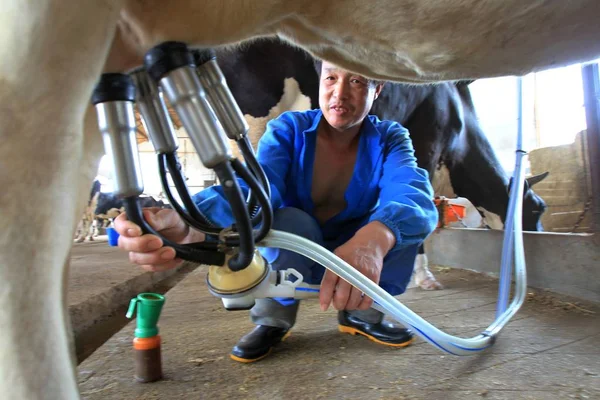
x=149, y=306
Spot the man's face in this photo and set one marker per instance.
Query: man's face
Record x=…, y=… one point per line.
x=344, y=97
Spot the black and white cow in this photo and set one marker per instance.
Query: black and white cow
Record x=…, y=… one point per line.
x=269, y=77
x=450, y=144
x=110, y=206
x=102, y=208
x=457, y=154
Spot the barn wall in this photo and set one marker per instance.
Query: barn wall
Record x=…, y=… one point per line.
x=563, y=263
x=566, y=190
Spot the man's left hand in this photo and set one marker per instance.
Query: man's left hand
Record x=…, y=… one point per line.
x=365, y=252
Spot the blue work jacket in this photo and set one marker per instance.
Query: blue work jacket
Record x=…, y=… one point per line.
x=387, y=185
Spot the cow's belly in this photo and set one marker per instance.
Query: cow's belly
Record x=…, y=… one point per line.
x=389, y=45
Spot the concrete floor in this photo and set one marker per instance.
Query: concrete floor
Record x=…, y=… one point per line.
x=101, y=283
x=95, y=268
x=550, y=350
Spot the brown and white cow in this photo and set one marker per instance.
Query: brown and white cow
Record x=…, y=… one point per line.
x=86, y=227
x=53, y=51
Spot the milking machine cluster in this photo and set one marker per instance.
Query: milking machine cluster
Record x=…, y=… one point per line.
x=195, y=87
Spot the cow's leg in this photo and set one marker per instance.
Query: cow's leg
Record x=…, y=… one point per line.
x=422, y=276
x=80, y=231
x=94, y=232
x=91, y=231
x=53, y=53
x=85, y=229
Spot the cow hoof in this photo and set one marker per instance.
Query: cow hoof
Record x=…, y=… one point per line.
x=430, y=284
x=79, y=240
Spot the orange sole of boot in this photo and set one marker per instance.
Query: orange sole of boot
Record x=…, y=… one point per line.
x=251, y=360
x=354, y=331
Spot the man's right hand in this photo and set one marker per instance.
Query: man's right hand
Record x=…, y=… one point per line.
x=147, y=250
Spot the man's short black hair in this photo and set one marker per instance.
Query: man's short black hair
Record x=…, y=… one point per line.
x=318, y=64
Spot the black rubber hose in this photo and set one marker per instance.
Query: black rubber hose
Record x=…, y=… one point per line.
x=234, y=196
x=265, y=203
x=232, y=241
x=162, y=172
x=256, y=169
x=202, y=222
x=253, y=208
x=203, y=253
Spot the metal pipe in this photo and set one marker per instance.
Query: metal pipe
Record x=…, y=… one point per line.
x=515, y=201
x=219, y=96
x=184, y=91
x=113, y=98
x=591, y=93
x=155, y=116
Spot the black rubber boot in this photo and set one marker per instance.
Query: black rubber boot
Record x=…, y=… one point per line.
x=257, y=344
x=382, y=332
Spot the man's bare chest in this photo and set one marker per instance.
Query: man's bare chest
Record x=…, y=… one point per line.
x=332, y=173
